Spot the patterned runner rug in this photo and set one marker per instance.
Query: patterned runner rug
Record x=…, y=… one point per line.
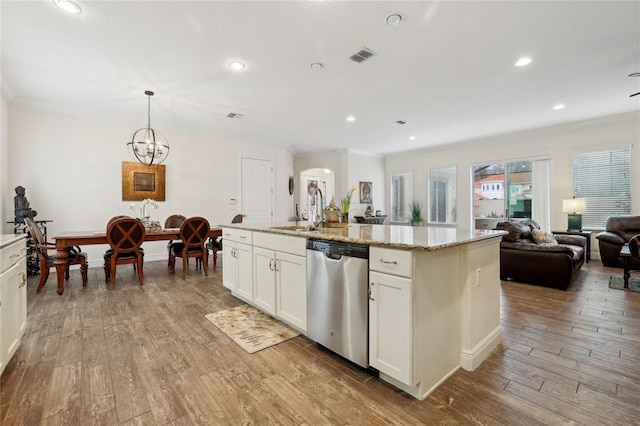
x=617, y=282
x=250, y=328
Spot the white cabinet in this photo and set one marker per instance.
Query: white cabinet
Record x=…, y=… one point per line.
x=391, y=313
x=280, y=277
x=390, y=326
x=13, y=298
x=264, y=281
x=291, y=289
x=237, y=266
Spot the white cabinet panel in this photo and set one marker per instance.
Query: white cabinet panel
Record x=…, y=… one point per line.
x=244, y=285
x=264, y=279
x=291, y=275
x=13, y=310
x=391, y=326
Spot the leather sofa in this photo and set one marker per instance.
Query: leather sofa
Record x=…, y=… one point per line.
x=618, y=231
x=549, y=265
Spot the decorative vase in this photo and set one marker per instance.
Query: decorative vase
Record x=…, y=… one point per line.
x=416, y=223
x=344, y=217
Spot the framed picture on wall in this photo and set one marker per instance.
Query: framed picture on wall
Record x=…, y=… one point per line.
x=140, y=181
x=365, y=193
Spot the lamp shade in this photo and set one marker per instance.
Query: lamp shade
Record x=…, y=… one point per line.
x=574, y=205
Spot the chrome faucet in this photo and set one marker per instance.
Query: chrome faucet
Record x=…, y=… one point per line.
x=319, y=217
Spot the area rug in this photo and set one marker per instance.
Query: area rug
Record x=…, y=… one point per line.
x=250, y=328
x=617, y=282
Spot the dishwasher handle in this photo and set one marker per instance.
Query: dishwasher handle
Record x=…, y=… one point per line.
x=333, y=256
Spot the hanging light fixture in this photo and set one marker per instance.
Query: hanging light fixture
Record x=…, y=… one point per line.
x=148, y=145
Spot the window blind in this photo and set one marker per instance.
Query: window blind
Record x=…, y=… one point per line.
x=603, y=179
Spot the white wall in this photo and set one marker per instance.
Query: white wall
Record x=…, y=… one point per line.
x=71, y=168
x=4, y=162
x=557, y=142
x=365, y=168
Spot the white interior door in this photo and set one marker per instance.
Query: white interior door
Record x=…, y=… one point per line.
x=257, y=190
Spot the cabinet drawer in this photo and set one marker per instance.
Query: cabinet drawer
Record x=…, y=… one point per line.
x=12, y=254
x=239, y=235
x=391, y=261
x=281, y=243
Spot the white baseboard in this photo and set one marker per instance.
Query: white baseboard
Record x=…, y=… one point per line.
x=471, y=359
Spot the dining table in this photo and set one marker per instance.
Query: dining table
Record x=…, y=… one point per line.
x=81, y=238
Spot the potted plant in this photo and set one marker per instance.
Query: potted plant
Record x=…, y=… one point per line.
x=346, y=204
x=416, y=213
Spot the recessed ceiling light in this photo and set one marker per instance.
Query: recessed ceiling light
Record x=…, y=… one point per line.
x=316, y=66
x=236, y=65
x=558, y=106
x=412, y=138
x=68, y=6
x=394, y=19
x=351, y=118
x=523, y=62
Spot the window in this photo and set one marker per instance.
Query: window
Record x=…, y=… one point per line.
x=603, y=178
x=442, y=195
x=503, y=187
x=401, y=193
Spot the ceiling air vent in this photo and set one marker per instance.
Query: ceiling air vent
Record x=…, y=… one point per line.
x=234, y=115
x=401, y=122
x=362, y=55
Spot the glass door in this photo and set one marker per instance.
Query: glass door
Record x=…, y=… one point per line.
x=502, y=192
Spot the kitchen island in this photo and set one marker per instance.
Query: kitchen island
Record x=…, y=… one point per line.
x=434, y=292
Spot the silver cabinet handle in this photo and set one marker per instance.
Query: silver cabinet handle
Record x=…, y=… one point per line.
x=390, y=262
x=242, y=236
x=14, y=255
x=271, y=264
x=369, y=292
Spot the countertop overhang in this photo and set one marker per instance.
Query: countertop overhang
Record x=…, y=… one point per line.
x=391, y=236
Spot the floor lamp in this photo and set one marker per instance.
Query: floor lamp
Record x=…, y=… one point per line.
x=574, y=206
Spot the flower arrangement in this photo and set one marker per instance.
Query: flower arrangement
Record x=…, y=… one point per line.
x=346, y=201
x=142, y=206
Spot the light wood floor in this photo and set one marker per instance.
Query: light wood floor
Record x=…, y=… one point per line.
x=147, y=356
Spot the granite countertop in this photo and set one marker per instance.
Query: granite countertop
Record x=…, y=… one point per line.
x=391, y=236
x=8, y=239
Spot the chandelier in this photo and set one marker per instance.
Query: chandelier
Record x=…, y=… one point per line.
x=148, y=145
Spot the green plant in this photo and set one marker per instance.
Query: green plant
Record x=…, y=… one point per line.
x=416, y=211
x=346, y=201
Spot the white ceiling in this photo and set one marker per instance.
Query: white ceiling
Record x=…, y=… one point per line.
x=447, y=69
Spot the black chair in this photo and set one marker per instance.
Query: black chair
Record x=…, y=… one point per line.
x=74, y=256
x=124, y=235
x=215, y=244
x=193, y=233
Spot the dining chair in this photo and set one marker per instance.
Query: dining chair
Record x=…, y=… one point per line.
x=124, y=235
x=193, y=234
x=173, y=221
x=215, y=243
x=75, y=256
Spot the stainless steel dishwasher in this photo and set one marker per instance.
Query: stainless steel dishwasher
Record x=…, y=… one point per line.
x=337, y=300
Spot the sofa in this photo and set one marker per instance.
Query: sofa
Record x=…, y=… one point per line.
x=618, y=231
x=548, y=264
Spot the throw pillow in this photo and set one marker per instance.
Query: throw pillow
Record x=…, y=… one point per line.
x=541, y=237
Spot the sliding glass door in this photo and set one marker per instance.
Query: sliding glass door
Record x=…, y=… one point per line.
x=502, y=192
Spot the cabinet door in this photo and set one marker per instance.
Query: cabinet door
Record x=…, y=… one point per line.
x=244, y=272
x=229, y=265
x=291, y=285
x=390, y=326
x=264, y=280
x=13, y=310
